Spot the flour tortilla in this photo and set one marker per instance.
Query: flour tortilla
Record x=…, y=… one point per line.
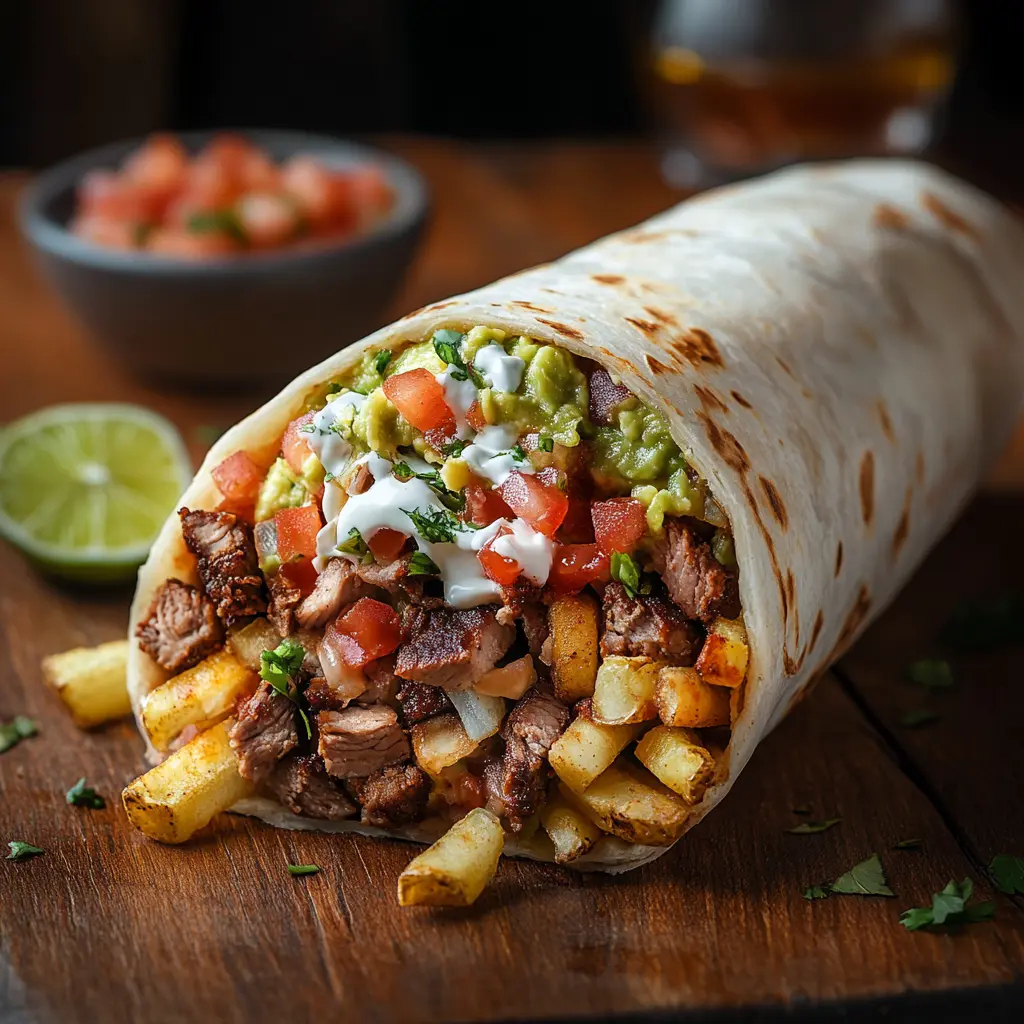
x=838, y=350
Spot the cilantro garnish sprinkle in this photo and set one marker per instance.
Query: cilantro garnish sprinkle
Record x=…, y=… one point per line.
x=380, y=362
x=210, y=221
x=546, y=444
x=81, y=795
x=333, y=388
x=354, y=544
x=448, y=346
x=22, y=851
x=278, y=667
x=1007, y=872
x=627, y=572
x=298, y=870
x=949, y=907
x=435, y=525
x=17, y=729
x=810, y=828
x=454, y=448
x=420, y=564
x=517, y=453
x=932, y=673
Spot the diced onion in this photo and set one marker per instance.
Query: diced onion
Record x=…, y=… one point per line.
x=481, y=715
x=511, y=680
x=346, y=681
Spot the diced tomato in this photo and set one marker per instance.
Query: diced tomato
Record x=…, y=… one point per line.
x=293, y=444
x=104, y=230
x=373, y=629
x=576, y=565
x=618, y=524
x=370, y=191
x=296, y=532
x=243, y=164
x=542, y=505
x=190, y=244
x=111, y=195
x=160, y=163
x=440, y=437
x=325, y=198
x=577, y=526
x=386, y=544
x=484, y=505
x=238, y=478
x=267, y=219
x=301, y=573
x=475, y=417
x=419, y=398
x=499, y=568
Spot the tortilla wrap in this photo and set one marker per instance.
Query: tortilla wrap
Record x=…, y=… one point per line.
x=838, y=351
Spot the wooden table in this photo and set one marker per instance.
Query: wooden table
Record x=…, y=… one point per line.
x=107, y=926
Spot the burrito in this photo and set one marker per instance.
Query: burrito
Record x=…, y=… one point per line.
x=535, y=568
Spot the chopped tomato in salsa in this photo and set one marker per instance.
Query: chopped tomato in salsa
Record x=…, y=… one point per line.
x=484, y=506
x=293, y=444
x=576, y=565
x=499, y=568
x=542, y=505
x=238, y=478
x=419, y=398
x=619, y=523
x=367, y=630
x=386, y=544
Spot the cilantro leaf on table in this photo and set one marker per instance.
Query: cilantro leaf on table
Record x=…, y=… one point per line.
x=17, y=729
x=810, y=828
x=949, y=907
x=932, y=673
x=297, y=870
x=81, y=795
x=22, y=851
x=864, y=879
x=816, y=892
x=1007, y=872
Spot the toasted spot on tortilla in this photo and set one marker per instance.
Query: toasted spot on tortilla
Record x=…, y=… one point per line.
x=710, y=400
x=785, y=366
x=656, y=365
x=819, y=622
x=947, y=217
x=642, y=325
x=642, y=237
x=919, y=466
x=660, y=315
x=791, y=588
x=696, y=346
x=609, y=279
x=839, y=559
x=902, y=531
x=888, y=216
x=855, y=618
x=550, y=291
x=867, y=487
x=529, y=305
x=775, y=501
x=569, y=332
x=737, y=397
x=883, y=418
x=731, y=451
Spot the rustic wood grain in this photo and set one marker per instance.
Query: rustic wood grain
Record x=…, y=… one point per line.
x=107, y=926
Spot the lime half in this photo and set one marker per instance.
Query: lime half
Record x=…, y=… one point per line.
x=84, y=489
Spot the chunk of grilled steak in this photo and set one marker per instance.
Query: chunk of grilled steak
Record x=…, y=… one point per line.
x=321, y=696
x=181, y=628
x=420, y=701
x=647, y=626
x=359, y=740
x=285, y=597
x=455, y=649
x=522, y=603
x=395, y=795
x=301, y=784
x=264, y=731
x=226, y=556
x=381, y=682
x=338, y=585
x=537, y=720
x=695, y=579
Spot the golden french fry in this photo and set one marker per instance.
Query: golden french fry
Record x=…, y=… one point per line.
x=684, y=699
x=586, y=749
x=439, y=742
x=571, y=832
x=679, y=759
x=182, y=794
x=724, y=656
x=92, y=682
x=199, y=696
x=573, y=620
x=632, y=804
x=454, y=871
x=624, y=691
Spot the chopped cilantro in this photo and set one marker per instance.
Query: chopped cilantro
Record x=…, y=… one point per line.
x=627, y=572
x=1007, y=872
x=225, y=221
x=17, y=729
x=908, y=844
x=454, y=448
x=517, y=453
x=917, y=717
x=932, y=673
x=816, y=892
x=333, y=388
x=420, y=564
x=140, y=232
x=810, y=828
x=354, y=544
x=328, y=477
x=81, y=795
x=380, y=362
x=22, y=851
x=277, y=667
x=949, y=907
x=453, y=500
x=546, y=444
x=304, y=869
x=448, y=346
x=309, y=428
x=436, y=525
x=864, y=879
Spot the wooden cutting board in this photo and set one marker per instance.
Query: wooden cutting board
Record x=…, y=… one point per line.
x=107, y=926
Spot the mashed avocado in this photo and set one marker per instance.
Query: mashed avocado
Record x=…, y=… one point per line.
x=282, y=488
x=638, y=450
x=379, y=427
x=678, y=498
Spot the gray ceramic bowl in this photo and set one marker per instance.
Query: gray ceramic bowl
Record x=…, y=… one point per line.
x=233, y=322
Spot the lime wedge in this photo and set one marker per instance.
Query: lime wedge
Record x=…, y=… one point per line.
x=84, y=489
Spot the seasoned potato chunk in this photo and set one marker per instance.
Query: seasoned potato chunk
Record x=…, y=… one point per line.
x=178, y=797
x=573, y=620
x=571, y=832
x=587, y=748
x=511, y=680
x=724, y=656
x=439, y=742
x=199, y=696
x=632, y=804
x=684, y=699
x=679, y=759
x=92, y=682
x=624, y=692
x=454, y=871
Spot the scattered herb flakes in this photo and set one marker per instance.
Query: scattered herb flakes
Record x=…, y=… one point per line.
x=985, y=625
x=81, y=795
x=218, y=221
x=627, y=572
x=453, y=449
x=810, y=828
x=381, y=360
x=277, y=667
x=448, y=346
x=421, y=564
x=303, y=869
x=435, y=525
x=918, y=717
x=334, y=388
x=22, y=851
x=864, y=879
x=932, y=673
x=816, y=892
x=908, y=844
x=546, y=444
x=949, y=907
x=354, y=544
x=1007, y=872
x=17, y=729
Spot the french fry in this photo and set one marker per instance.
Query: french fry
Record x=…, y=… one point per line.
x=571, y=832
x=684, y=699
x=624, y=692
x=587, y=748
x=199, y=696
x=182, y=794
x=724, y=656
x=679, y=759
x=573, y=619
x=511, y=680
x=454, y=871
x=92, y=682
x=439, y=742
x=632, y=804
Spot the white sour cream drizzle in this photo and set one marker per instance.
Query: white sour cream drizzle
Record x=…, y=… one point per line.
x=502, y=371
x=489, y=455
x=459, y=396
x=333, y=451
x=532, y=550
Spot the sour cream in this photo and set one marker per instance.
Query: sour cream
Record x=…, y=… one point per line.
x=459, y=395
x=502, y=371
x=333, y=451
x=531, y=549
x=490, y=455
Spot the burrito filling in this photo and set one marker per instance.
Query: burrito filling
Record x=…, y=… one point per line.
x=479, y=573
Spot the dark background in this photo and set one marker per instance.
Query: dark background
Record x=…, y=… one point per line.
x=74, y=73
